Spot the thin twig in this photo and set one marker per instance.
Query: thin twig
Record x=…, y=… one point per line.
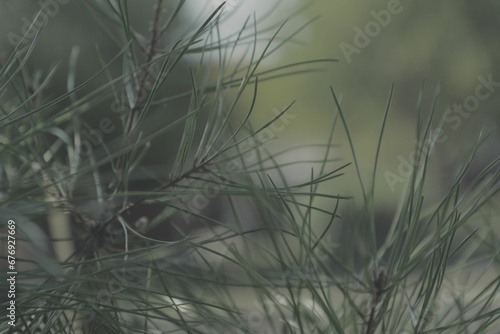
x=140, y=90
x=380, y=283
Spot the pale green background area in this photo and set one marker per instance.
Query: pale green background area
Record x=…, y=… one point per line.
x=451, y=43
x=448, y=42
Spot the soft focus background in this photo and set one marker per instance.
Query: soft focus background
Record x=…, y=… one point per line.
x=451, y=43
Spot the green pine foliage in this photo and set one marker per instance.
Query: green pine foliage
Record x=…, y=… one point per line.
x=212, y=236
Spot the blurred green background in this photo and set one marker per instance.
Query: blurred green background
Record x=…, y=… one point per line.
x=451, y=43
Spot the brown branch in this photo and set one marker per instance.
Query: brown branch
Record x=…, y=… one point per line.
x=154, y=31
x=141, y=87
x=380, y=283
x=140, y=91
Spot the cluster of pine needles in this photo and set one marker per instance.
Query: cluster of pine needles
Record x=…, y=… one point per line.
x=87, y=265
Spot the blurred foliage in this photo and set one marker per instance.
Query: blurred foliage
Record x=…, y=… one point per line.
x=447, y=43
x=450, y=45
